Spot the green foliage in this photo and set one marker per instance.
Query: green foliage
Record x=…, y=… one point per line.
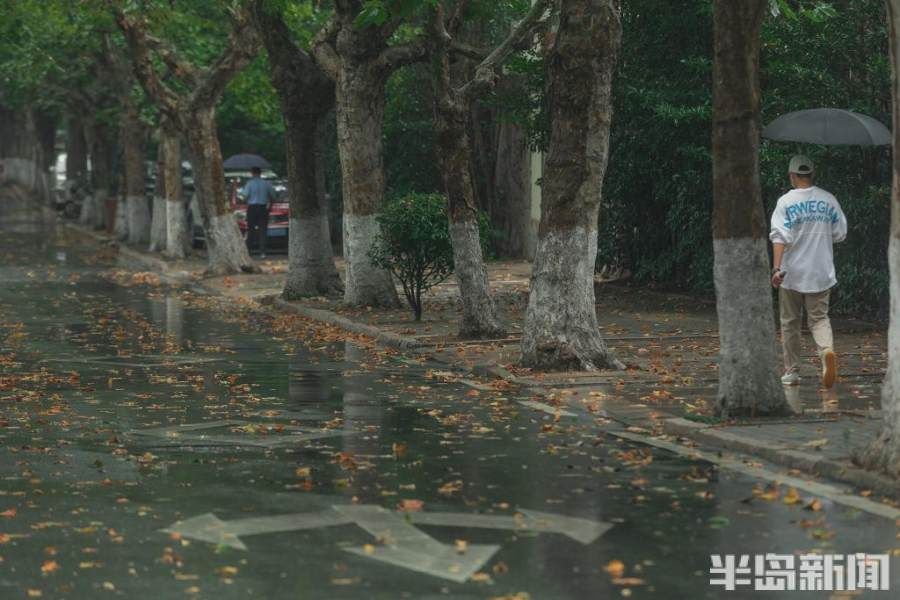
x=409, y=159
x=414, y=244
x=47, y=47
x=657, y=200
x=249, y=117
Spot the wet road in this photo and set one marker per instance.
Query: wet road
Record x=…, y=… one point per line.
x=283, y=462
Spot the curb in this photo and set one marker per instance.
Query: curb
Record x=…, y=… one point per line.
x=152, y=263
x=387, y=338
x=785, y=457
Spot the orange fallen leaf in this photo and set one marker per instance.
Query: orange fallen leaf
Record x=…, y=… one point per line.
x=615, y=568
x=792, y=497
x=409, y=505
x=399, y=449
x=49, y=566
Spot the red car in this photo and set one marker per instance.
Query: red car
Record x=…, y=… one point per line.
x=279, y=214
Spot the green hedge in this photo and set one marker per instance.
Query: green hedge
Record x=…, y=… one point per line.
x=657, y=205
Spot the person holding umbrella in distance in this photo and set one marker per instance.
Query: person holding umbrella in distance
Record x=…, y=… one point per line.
x=806, y=223
x=259, y=194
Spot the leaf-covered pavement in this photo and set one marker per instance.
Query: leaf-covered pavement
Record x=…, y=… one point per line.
x=87, y=364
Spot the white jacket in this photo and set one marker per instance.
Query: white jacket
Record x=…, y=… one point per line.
x=808, y=221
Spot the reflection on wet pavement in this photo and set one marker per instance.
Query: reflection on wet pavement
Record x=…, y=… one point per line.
x=160, y=444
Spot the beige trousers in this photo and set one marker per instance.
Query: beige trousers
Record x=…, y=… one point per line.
x=791, y=304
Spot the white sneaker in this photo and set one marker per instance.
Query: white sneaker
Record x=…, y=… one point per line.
x=829, y=368
x=790, y=378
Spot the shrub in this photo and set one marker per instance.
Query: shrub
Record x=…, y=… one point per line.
x=414, y=244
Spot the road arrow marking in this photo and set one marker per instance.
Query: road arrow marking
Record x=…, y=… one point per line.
x=209, y=528
x=399, y=542
x=405, y=546
x=580, y=530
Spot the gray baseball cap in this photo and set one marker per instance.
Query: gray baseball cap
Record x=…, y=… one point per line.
x=801, y=165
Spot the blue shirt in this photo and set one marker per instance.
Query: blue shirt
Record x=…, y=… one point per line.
x=258, y=191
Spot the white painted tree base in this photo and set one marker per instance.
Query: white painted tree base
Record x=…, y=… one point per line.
x=561, y=331
x=158, y=225
x=177, y=234
x=749, y=380
x=120, y=229
x=311, y=270
x=139, y=220
x=884, y=453
x=226, y=248
x=365, y=284
x=479, y=314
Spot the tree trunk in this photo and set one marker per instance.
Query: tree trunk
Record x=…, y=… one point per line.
x=884, y=453
x=138, y=212
x=306, y=95
x=360, y=116
x=102, y=152
x=225, y=246
x=22, y=147
x=311, y=270
x=176, y=217
x=510, y=208
x=748, y=377
x=120, y=228
x=45, y=128
x=76, y=148
x=479, y=314
x=561, y=330
x=158, y=219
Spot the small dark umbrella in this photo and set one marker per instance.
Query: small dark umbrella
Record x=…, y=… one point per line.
x=828, y=127
x=245, y=162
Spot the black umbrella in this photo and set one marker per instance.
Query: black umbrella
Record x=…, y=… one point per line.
x=828, y=127
x=245, y=162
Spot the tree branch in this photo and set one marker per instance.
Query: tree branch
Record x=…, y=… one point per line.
x=181, y=69
x=323, y=49
x=486, y=72
x=142, y=64
x=243, y=44
x=394, y=57
x=468, y=51
x=455, y=21
x=294, y=72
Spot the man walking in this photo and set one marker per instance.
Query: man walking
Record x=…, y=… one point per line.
x=806, y=223
x=259, y=194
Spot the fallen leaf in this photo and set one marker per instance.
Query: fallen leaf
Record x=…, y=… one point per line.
x=399, y=449
x=49, y=566
x=410, y=505
x=628, y=581
x=615, y=568
x=816, y=444
x=815, y=505
x=792, y=497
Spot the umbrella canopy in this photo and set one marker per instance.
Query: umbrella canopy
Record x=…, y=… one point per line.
x=828, y=127
x=245, y=162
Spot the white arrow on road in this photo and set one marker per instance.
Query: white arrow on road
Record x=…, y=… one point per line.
x=399, y=542
x=405, y=546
